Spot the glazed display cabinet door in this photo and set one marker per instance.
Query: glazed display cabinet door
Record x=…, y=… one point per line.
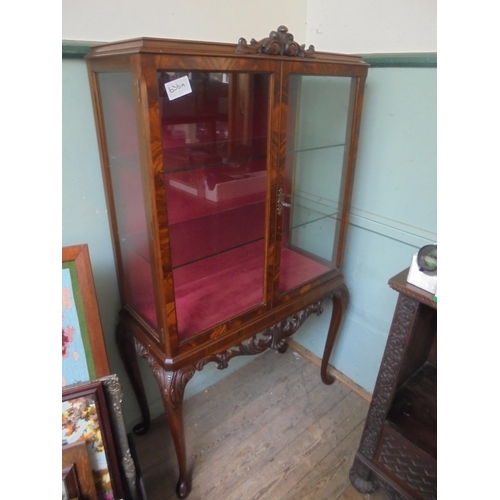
x=318, y=164
x=208, y=182
x=215, y=153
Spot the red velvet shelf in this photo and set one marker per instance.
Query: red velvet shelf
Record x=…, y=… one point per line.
x=204, y=292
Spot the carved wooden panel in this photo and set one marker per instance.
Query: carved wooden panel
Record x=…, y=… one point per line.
x=406, y=310
x=412, y=467
x=271, y=338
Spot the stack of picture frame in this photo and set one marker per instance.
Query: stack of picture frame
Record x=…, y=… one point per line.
x=97, y=459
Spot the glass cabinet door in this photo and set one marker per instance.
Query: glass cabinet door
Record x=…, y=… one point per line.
x=214, y=128
x=316, y=161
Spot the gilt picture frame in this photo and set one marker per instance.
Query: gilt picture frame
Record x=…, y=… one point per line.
x=83, y=350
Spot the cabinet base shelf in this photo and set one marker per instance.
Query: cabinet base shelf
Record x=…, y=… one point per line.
x=208, y=286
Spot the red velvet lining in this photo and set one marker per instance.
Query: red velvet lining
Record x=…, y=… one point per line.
x=204, y=236
x=215, y=289
x=212, y=281
x=297, y=269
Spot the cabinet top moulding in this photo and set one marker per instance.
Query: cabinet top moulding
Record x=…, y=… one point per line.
x=148, y=45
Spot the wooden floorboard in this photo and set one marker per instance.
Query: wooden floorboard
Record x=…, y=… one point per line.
x=271, y=430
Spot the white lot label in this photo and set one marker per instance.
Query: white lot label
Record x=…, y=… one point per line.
x=178, y=88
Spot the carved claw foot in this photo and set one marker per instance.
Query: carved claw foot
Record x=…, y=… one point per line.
x=283, y=348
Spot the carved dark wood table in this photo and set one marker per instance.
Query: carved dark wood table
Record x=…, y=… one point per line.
x=398, y=447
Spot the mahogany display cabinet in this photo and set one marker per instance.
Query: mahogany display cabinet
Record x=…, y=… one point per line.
x=229, y=171
x=398, y=448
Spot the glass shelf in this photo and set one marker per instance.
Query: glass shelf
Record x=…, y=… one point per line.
x=201, y=237
x=313, y=148
x=308, y=211
x=202, y=160
x=310, y=228
x=171, y=140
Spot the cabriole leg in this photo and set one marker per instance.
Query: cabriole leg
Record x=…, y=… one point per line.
x=340, y=301
x=172, y=385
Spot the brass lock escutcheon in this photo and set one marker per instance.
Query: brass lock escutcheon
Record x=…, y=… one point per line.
x=281, y=202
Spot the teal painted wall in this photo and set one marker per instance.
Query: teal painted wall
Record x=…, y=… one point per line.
x=394, y=213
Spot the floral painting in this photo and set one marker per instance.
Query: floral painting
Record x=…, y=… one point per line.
x=80, y=421
x=76, y=359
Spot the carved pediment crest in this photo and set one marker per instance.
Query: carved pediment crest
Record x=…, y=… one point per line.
x=279, y=43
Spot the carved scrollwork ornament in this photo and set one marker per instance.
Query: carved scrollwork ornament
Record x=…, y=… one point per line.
x=271, y=338
x=278, y=43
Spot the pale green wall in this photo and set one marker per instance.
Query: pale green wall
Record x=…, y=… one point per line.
x=394, y=213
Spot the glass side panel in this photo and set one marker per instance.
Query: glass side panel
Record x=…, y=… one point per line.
x=318, y=109
x=214, y=139
x=117, y=102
